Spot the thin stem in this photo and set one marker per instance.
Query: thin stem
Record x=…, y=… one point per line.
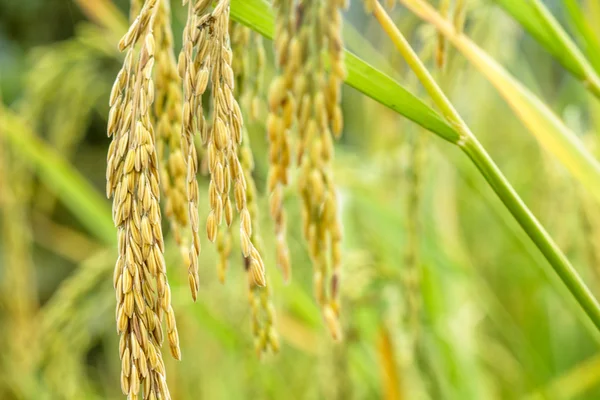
x=415, y=63
x=550, y=131
x=590, y=78
x=532, y=227
x=482, y=160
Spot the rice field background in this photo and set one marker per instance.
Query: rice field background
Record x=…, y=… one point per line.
x=443, y=294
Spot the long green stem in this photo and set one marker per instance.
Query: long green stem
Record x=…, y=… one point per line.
x=539, y=119
x=590, y=78
x=535, y=17
x=477, y=153
x=415, y=63
x=532, y=227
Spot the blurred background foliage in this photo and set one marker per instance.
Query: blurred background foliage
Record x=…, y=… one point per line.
x=444, y=296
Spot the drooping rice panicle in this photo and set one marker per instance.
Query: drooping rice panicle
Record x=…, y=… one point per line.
x=247, y=86
x=195, y=80
x=167, y=105
x=262, y=309
x=207, y=56
x=240, y=36
x=140, y=279
x=319, y=120
x=279, y=124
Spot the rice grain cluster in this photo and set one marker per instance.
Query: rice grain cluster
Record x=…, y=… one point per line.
x=167, y=113
x=307, y=93
x=140, y=279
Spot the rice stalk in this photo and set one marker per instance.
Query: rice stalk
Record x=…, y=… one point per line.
x=537, y=19
x=551, y=132
x=361, y=75
x=140, y=280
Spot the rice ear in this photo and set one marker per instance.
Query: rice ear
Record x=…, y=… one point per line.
x=142, y=290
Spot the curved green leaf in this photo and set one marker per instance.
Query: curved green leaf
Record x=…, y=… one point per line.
x=541, y=24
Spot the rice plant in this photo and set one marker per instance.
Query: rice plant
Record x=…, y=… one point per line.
x=277, y=212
